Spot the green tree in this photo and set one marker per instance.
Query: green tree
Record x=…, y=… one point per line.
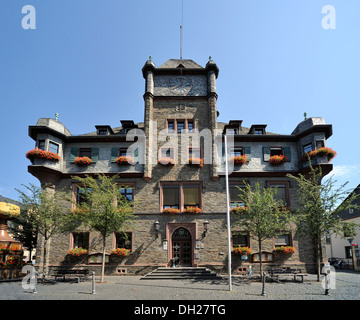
x=318, y=207
x=266, y=216
x=47, y=210
x=105, y=209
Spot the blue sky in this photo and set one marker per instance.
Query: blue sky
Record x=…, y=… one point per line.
x=84, y=62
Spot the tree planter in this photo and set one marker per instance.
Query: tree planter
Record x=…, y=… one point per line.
x=196, y=162
x=124, y=161
x=285, y=250
x=277, y=160
x=82, y=161
x=41, y=154
x=239, y=160
x=167, y=162
x=192, y=210
x=171, y=211
x=239, y=210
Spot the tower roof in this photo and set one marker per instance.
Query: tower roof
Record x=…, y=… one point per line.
x=180, y=63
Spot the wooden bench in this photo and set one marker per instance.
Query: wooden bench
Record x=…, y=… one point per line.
x=77, y=273
x=274, y=274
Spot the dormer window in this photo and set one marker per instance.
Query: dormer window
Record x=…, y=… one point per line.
x=103, y=130
x=257, y=129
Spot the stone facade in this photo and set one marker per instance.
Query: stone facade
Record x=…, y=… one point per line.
x=178, y=93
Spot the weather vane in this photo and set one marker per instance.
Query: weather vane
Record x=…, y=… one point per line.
x=56, y=116
x=305, y=115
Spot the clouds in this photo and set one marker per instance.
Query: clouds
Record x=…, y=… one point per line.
x=345, y=171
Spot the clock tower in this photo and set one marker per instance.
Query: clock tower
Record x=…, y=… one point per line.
x=179, y=94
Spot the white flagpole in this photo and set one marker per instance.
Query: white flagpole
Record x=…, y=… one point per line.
x=228, y=212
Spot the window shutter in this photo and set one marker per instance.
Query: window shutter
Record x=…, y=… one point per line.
x=114, y=154
x=247, y=152
x=266, y=153
x=287, y=153
x=95, y=154
x=73, y=154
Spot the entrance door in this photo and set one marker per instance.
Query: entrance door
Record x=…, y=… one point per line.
x=181, y=247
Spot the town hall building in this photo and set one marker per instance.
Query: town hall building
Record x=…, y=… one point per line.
x=177, y=177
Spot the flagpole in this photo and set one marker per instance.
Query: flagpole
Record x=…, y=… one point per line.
x=228, y=212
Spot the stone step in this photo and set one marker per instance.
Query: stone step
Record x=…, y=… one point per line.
x=180, y=273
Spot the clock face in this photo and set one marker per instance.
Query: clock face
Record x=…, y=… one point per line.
x=180, y=85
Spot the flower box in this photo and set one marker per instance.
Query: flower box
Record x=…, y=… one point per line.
x=76, y=252
x=285, y=249
x=239, y=160
x=83, y=161
x=42, y=154
x=321, y=152
x=124, y=161
x=121, y=252
x=192, y=210
x=171, y=211
x=166, y=161
x=277, y=160
x=239, y=210
x=241, y=250
x=196, y=162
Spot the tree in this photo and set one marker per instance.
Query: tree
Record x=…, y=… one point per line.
x=318, y=208
x=265, y=215
x=104, y=209
x=47, y=210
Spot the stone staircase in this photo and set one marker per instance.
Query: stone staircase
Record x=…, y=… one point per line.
x=163, y=273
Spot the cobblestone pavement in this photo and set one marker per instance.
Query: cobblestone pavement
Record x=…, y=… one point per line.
x=132, y=288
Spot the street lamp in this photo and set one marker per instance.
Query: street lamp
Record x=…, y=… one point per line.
x=206, y=228
x=157, y=228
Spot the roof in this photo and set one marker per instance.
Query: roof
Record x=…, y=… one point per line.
x=180, y=63
x=354, y=213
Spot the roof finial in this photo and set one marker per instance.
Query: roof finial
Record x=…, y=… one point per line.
x=56, y=116
x=305, y=116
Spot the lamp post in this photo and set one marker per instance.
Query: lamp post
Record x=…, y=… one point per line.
x=353, y=253
x=206, y=228
x=228, y=212
x=157, y=228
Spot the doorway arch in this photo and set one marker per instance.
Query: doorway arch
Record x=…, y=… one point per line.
x=182, y=247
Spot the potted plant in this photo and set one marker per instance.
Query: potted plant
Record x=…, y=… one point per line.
x=166, y=161
x=277, y=160
x=171, y=211
x=124, y=160
x=83, y=161
x=76, y=252
x=239, y=160
x=42, y=154
x=192, y=210
x=196, y=162
x=285, y=249
x=241, y=251
x=122, y=252
x=239, y=210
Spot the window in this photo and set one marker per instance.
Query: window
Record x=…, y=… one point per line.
x=258, y=131
x=127, y=192
x=41, y=144
x=191, y=196
x=80, y=240
x=167, y=153
x=180, y=195
x=194, y=152
x=265, y=257
x=180, y=125
x=276, y=151
x=240, y=239
x=171, y=126
x=348, y=252
x=123, y=240
x=102, y=132
x=237, y=151
x=307, y=148
x=319, y=144
x=282, y=192
x=171, y=197
x=235, y=199
x=85, y=152
x=282, y=240
x=80, y=197
x=53, y=147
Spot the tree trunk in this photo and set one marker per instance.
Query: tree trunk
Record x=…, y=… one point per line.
x=103, y=261
x=44, y=259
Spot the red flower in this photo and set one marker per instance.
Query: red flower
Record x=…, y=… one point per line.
x=41, y=154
